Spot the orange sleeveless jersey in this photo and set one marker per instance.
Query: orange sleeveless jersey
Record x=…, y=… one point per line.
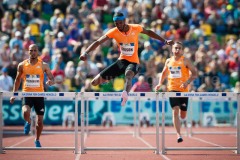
x=33, y=77
x=178, y=73
x=128, y=43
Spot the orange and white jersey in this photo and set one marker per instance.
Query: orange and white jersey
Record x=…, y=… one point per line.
x=178, y=73
x=33, y=77
x=128, y=43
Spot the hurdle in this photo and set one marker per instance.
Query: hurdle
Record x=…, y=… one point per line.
x=191, y=131
x=72, y=95
x=117, y=95
x=219, y=95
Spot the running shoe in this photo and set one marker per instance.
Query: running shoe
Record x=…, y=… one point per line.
x=27, y=128
x=37, y=143
x=179, y=140
x=124, y=98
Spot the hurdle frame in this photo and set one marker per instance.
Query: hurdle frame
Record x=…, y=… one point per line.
x=73, y=95
x=201, y=99
x=199, y=94
x=117, y=95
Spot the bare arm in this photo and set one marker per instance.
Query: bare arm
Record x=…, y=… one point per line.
x=93, y=46
x=17, y=81
x=162, y=76
x=192, y=69
x=152, y=34
x=47, y=70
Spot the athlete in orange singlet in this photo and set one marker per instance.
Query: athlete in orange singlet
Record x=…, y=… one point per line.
x=31, y=71
x=180, y=73
x=126, y=35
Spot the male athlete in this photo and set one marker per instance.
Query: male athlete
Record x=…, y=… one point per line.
x=31, y=72
x=126, y=35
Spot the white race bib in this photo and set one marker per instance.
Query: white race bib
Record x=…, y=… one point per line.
x=32, y=80
x=127, y=49
x=175, y=72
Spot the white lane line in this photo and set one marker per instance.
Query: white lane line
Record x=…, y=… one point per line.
x=214, y=144
x=149, y=145
x=26, y=139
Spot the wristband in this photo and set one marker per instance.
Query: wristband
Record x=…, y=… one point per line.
x=86, y=53
x=165, y=42
x=188, y=81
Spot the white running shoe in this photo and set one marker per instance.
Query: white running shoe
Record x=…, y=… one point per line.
x=124, y=98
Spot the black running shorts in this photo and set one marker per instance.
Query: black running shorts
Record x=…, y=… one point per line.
x=182, y=102
x=37, y=102
x=118, y=68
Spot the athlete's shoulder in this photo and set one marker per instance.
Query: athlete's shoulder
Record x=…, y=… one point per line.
x=112, y=30
x=136, y=27
x=23, y=62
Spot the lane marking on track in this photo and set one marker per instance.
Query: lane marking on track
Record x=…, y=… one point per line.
x=214, y=144
x=24, y=140
x=150, y=146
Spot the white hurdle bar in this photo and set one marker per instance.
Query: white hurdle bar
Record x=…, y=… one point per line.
x=117, y=95
x=201, y=94
x=73, y=95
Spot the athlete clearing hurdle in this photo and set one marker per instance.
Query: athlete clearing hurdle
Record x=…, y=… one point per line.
x=126, y=35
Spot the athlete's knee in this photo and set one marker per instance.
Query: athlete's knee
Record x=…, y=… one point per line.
x=26, y=109
x=175, y=111
x=129, y=74
x=94, y=82
x=39, y=120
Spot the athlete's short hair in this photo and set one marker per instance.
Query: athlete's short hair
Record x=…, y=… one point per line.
x=118, y=16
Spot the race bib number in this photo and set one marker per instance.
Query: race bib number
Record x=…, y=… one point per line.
x=175, y=72
x=127, y=49
x=32, y=80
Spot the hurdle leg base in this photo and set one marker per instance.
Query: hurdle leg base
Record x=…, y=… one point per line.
x=3, y=152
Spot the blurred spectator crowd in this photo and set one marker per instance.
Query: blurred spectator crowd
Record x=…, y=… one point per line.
x=209, y=30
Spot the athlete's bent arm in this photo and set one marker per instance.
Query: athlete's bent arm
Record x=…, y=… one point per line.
x=17, y=81
x=162, y=76
x=93, y=46
x=47, y=70
x=192, y=69
x=152, y=34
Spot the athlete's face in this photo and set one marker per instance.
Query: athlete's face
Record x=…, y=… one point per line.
x=177, y=49
x=33, y=52
x=120, y=25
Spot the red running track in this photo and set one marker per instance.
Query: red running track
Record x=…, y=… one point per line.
x=121, y=140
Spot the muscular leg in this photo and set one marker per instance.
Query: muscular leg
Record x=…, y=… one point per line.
x=176, y=121
x=128, y=80
x=98, y=80
x=39, y=126
x=26, y=113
